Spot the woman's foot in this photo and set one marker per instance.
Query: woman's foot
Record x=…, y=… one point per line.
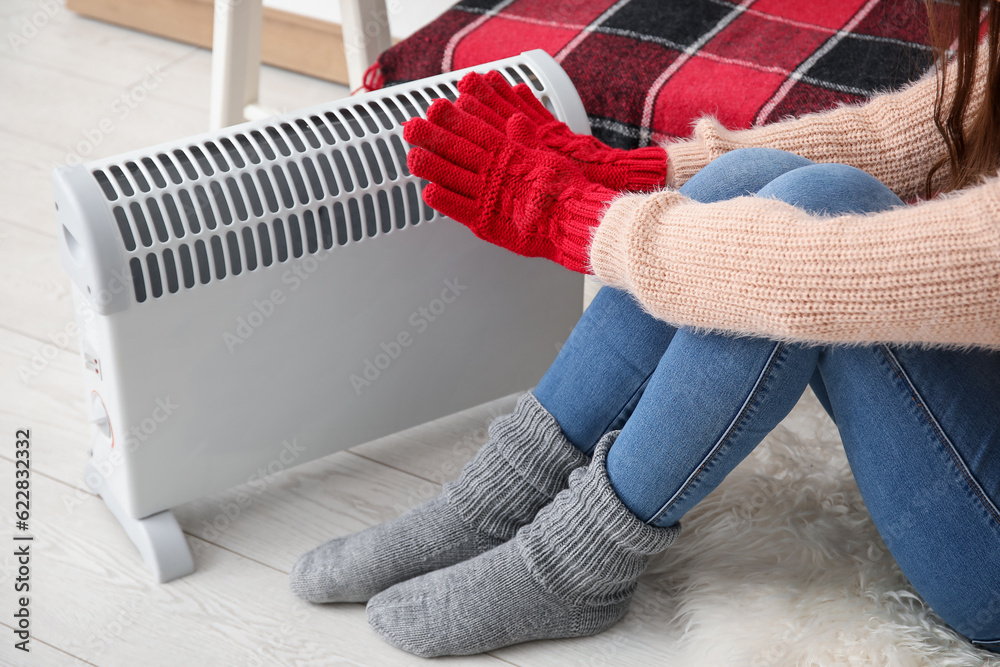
x=525, y=463
x=570, y=573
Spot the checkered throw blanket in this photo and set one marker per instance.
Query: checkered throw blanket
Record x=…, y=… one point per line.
x=646, y=69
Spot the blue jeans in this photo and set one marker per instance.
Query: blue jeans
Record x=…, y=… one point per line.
x=921, y=427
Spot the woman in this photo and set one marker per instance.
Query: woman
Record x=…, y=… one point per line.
x=793, y=236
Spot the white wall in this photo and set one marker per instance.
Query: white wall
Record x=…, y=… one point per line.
x=405, y=16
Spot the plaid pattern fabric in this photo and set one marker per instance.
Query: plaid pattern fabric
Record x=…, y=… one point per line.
x=646, y=69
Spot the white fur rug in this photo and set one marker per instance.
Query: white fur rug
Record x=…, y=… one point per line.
x=781, y=565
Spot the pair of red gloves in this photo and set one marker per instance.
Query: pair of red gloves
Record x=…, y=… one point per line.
x=502, y=165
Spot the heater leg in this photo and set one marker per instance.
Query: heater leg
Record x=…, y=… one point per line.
x=158, y=537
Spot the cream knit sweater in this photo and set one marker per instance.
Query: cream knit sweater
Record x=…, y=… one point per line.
x=928, y=273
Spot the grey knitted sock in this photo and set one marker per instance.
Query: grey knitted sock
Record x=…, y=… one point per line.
x=526, y=462
x=570, y=573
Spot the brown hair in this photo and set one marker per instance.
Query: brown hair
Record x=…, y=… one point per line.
x=972, y=134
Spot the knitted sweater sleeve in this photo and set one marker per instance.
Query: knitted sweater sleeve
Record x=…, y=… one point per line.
x=892, y=137
x=926, y=274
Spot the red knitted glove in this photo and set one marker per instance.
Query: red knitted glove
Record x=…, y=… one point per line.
x=490, y=98
x=507, y=188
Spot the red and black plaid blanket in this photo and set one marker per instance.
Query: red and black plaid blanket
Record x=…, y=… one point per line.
x=646, y=68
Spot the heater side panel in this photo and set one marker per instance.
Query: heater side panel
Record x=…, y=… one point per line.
x=322, y=353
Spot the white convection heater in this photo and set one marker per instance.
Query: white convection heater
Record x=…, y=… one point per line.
x=276, y=291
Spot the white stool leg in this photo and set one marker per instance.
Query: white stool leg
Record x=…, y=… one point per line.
x=366, y=35
x=235, y=60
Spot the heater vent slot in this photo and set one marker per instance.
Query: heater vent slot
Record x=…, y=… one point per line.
x=422, y=101
x=175, y=217
x=381, y=114
x=187, y=205
x=206, y=166
x=532, y=77
x=216, y=154
x=513, y=75
x=155, y=284
x=157, y=218
x=168, y=164
x=140, y=223
x=272, y=192
x=324, y=130
x=265, y=244
x=154, y=171
x=218, y=257
x=186, y=164
x=170, y=270
x=124, y=229
x=280, y=241
x=353, y=123
x=249, y=249
x=135, y=268
x=448, y=92
x=123, y=183
x=308, y=133
x=106, y=187
x=137, y=176
x=248, y=148
x=205, y=207
x=204, y=272
x=187, y=267
x=234, y=154
x=235, y=264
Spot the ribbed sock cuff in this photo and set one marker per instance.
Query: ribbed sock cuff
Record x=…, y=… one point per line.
x=586, y=546
x=535, y=447
x=526, y=462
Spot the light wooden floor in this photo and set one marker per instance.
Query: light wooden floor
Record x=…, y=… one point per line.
x=92, y=600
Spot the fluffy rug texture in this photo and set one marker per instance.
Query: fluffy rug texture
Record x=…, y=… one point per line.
x=781, y=565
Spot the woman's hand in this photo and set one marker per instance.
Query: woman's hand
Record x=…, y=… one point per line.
x=490, y=98
x=506, y=186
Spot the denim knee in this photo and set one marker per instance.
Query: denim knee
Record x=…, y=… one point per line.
x=741, y=172
x=831, y=189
